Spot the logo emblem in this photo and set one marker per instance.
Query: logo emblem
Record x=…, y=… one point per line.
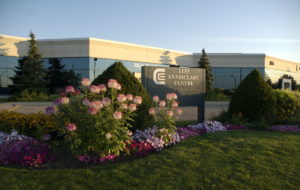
x=159, y=76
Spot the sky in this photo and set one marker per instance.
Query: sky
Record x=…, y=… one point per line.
x=220, y=26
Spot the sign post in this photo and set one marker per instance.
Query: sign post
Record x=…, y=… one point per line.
x=187, y=83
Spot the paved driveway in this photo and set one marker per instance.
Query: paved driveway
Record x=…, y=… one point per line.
x=189, y=113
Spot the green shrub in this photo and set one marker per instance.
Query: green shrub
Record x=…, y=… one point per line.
x=130, y=85
x=215, y=94
x=32, y=124
x=254, y=99
x=25, y=95
x=287, y=104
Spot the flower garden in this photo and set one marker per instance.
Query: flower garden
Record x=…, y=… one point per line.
x=90, y=129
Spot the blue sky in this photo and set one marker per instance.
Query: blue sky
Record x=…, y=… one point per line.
x=231, y=26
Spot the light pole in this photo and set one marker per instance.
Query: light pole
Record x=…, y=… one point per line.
x=95, y=60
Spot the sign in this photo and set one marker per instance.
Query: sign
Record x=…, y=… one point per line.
x=187, y=83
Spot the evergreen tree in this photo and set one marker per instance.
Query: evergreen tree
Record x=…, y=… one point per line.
x=204, y=63
x=30, y=74
x=58, y=77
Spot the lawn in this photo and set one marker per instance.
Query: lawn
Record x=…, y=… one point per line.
x=223, y=160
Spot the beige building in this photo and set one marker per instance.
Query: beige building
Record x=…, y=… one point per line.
x=91, y=56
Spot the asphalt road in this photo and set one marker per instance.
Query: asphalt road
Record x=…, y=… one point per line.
x=189, y=113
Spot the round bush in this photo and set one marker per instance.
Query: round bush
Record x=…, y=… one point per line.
x=254, y=99
x=287, y=103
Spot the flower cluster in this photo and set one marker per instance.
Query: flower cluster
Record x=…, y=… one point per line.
x=165, y=112
x=285, y=128
x=8, y=137
x=100, y=109
x=139, y=148
x=23, y=151
x=157, y=138
x=186, y=132
x=210, y=126
x=86, y=158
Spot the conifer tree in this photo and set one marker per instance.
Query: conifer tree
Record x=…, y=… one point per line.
x=30, y=74
x=204, y=63
x=58, y=77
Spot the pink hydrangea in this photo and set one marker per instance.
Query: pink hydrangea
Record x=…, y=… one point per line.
x=95, y=89
x=93, y=110
x=155, y=99
x=112, y=83
x=132, y=107
x=171, y=96
x=129, y=133
x=106, y=101
x=50, y=110
x=71, y=127
x=102, y=87
x=179, y=111
x=137, y=100
x=96, y=104
x=117, y=115
x=121, y=98
x=129, y=97
x=162, y=103
x=152, y=111
x=174, y=104
x=70, y=89
x=85, y=82
x=170, y=113
x=119, y=86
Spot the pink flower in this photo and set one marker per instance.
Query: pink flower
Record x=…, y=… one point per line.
x=112, y=83
x=119, y=86
x=70, y=89
x=93, y=110
x=162, y=103
x=63, y=100
x=102, y=87
x=85, y=82
x=71, y=127
x=174, y=105
x=117, y=115
x=137, y=100
x=155, y=99
x=86, y=102
x=179, y=111
x=50, y=110
x=108, y=135
x=151, y=111
x=95, y=89
x=106, y=101
x=171, y=96
x=129, y=97
x=77, y=92
x=169, y=113
x=121, y=98
x=96, y=104
x=132, y=107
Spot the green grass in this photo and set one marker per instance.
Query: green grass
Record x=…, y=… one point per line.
x=224, y=160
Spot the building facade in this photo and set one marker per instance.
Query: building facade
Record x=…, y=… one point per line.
x=90, y=57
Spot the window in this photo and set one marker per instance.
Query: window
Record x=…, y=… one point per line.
x=272, y=63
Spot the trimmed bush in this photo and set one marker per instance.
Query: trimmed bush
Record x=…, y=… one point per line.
x=254, y=99
x=130, y=85
x=287, y=104
x=26, y=95
x=32, y=124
